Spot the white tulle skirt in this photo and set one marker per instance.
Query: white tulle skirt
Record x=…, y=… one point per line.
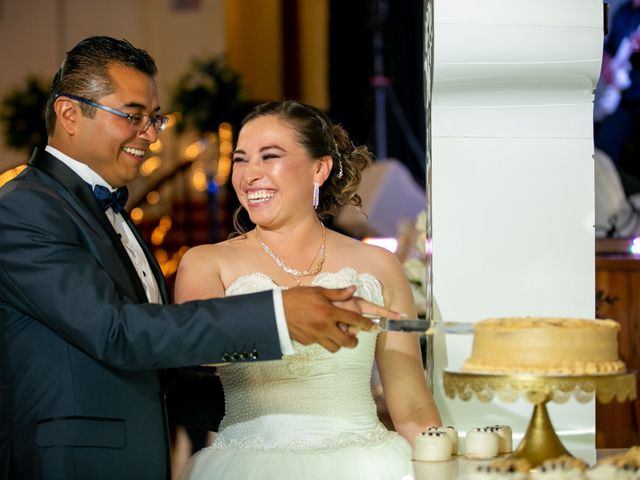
x=390, y=460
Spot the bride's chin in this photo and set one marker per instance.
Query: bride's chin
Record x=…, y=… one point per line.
x=258, y=219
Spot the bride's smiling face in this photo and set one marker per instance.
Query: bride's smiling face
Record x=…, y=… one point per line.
x=272, y=173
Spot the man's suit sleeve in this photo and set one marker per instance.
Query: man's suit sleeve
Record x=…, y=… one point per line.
x=58, y=270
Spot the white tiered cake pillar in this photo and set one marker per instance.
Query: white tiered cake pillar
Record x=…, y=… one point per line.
x=512, y=180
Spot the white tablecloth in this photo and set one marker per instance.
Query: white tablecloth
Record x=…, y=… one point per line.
x=457, y=468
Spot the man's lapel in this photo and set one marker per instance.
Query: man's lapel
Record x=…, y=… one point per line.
x=155, y=268
x=81, y=194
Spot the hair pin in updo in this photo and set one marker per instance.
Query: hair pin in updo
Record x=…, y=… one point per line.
x=339, y=155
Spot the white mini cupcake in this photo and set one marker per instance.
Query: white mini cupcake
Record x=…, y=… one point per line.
x=507, y=469
x=605, y=471
x=619, y=467
x=561, y=468
x=453, y=435
x=505, y=441
x=432, y=446
x=481, y=443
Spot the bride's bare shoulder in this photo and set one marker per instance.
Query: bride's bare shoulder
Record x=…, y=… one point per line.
x=208, y=257
x=206, y=269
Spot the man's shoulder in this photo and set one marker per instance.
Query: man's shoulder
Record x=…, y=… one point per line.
x=29, y=183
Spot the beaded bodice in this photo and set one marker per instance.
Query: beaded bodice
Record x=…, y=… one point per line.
x=313, y=399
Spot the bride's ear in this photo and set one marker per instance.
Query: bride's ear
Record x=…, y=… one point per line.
x=323, y=169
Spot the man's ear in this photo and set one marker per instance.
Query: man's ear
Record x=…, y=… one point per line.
x=323, y=169
x=67, y=114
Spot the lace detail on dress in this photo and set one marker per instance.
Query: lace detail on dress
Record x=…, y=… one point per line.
x=374, y=437
x=252, y=282
x=312, y=400
x=368, y=286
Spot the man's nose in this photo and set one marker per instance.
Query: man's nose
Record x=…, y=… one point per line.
x=149, y=133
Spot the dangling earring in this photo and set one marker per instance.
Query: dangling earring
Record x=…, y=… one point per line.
x=316, y=195
x=339, y=155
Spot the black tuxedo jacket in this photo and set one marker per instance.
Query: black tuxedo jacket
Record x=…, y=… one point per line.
x=87, y=365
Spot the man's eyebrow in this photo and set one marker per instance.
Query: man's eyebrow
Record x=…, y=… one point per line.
x=139, y=106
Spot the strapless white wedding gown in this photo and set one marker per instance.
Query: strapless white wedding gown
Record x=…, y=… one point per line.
x=308, y=416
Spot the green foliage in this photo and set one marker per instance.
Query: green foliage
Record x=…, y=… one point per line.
x=208, y=94
x=22, y=115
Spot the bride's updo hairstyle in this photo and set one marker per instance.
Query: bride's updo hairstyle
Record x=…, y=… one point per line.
x=320, y=136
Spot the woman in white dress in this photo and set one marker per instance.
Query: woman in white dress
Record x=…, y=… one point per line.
x=310, y=415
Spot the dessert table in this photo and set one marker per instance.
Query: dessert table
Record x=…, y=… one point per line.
x=459, y=467
x=540, y=441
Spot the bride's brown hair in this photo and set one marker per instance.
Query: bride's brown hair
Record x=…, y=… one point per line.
x=320, y=136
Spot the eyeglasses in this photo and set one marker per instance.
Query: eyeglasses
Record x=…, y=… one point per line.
x=139, y=121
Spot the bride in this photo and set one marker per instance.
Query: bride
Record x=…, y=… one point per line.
x=310, y=415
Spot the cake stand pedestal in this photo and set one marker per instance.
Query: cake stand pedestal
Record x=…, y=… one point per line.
x=540, y=441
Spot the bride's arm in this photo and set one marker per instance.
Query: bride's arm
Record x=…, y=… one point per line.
x=198, y=275
x=195, y=396
x=399, y=359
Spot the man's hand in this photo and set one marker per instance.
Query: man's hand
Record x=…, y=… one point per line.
x=371, y=310
x=314, y=317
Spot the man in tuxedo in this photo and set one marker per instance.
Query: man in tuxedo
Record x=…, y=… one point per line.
x=90, y=357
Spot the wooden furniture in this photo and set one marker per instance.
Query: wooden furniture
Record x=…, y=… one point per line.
x=618, y=291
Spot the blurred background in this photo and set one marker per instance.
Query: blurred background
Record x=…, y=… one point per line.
x=360, y=61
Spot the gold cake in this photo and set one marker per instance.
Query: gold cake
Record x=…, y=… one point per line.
x=545, y=345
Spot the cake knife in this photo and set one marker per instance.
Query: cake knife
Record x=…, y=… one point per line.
x=426, y=327
x=402, y=325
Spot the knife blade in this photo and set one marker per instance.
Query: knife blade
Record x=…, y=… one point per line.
x=402, y=325
x=406, y=325
x=420, y=325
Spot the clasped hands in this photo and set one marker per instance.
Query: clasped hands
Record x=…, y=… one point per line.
x=329, y=317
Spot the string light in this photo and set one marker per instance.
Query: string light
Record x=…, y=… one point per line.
x=199, y=180
x=150, y=165
x=153, y=197
x=137, y=214
x=156, y=147
x=10, y=174
x=225, y=133
x=194, y=150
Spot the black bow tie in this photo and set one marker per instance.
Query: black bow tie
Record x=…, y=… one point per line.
x=116, y=200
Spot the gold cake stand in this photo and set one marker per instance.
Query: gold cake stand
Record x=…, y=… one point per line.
x=540, y=441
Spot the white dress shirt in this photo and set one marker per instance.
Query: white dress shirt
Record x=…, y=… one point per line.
x=138, y=258
x=128, y=239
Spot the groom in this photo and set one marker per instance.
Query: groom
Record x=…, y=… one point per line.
x=89, y=352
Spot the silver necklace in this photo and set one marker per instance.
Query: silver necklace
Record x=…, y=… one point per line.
x=297, y=274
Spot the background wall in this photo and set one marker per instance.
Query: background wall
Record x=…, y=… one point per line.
x=513, y=186
x=35, y=34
